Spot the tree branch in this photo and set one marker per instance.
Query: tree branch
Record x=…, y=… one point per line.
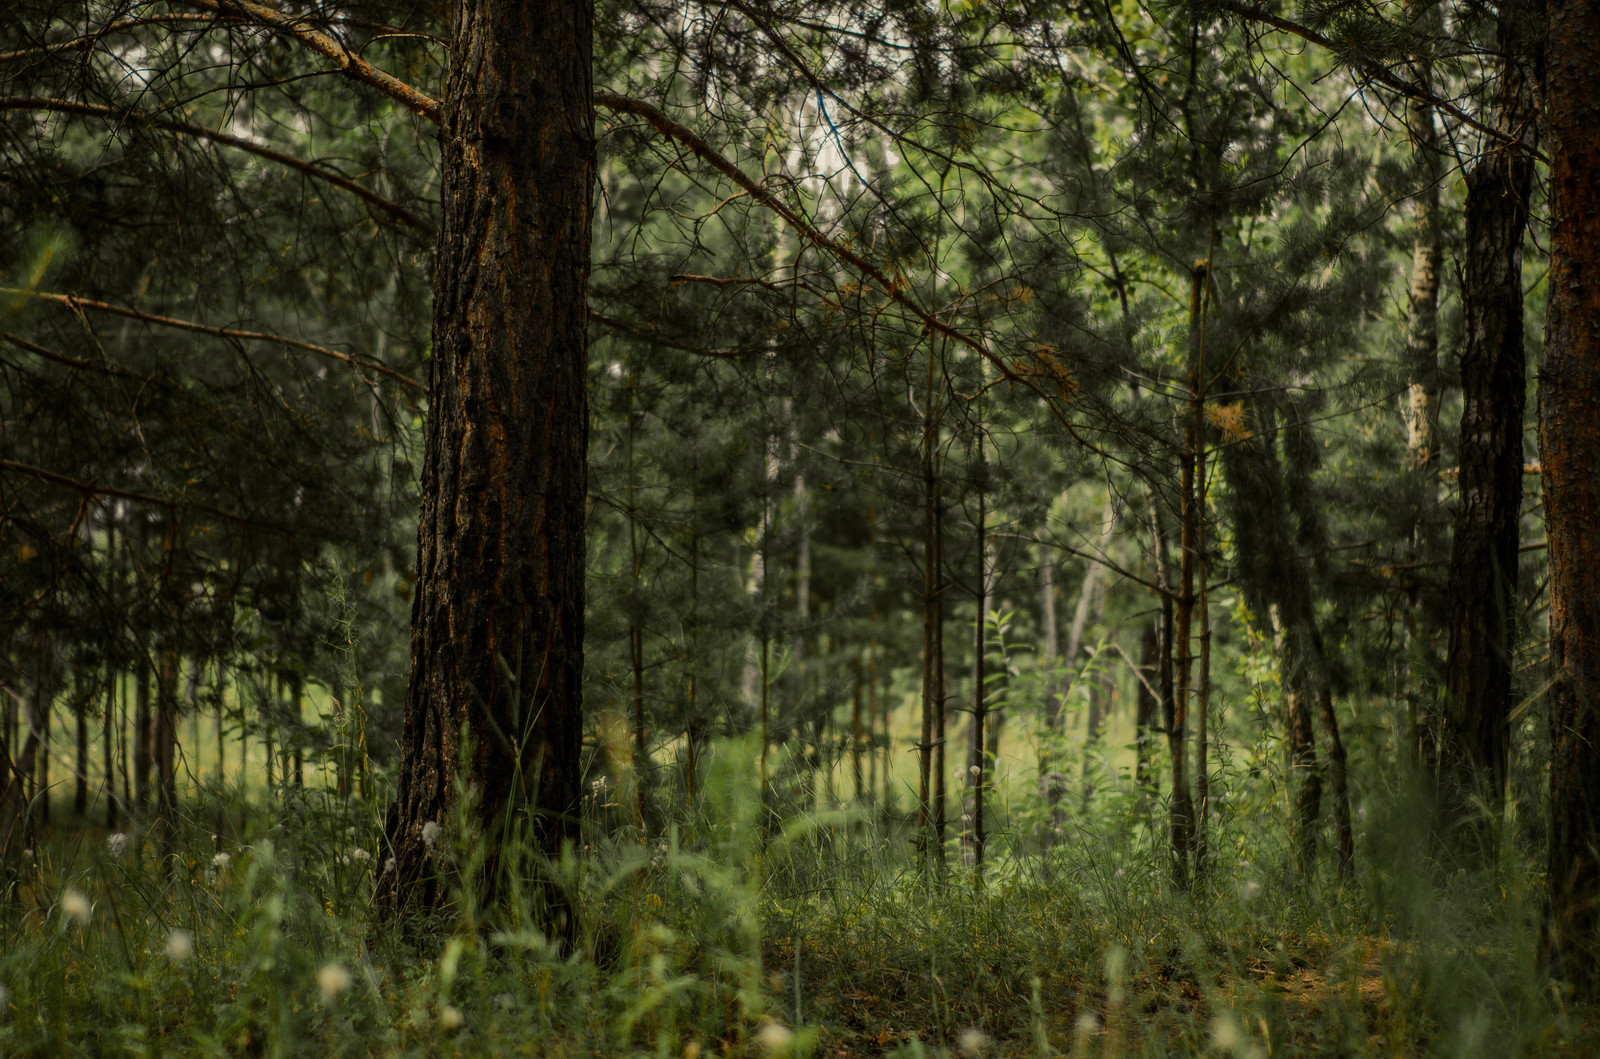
x=91, y=490
x=350, y=64
x=895, y=288
x=1409, y=89
x=115, y=116
x=357, y=363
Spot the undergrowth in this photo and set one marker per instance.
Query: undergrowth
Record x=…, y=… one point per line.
x=715, y=935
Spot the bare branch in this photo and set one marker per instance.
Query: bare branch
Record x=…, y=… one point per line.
x=358, y=363
x=1409, y=89
x=115, y=116
x=90, y=490
x=350, y=64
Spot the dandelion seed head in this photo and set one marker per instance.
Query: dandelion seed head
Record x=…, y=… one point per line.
x=361, y=854
x=116, y=843
x=180, y=945
x=774, y=1035
x=221, y=860
x=76, y=906
x=1249, y=889
x=450, y=1017
x=430, y=833
x=1225, y=1035
x=972, y=1041
x=388, y=866
x=332, y=979
x=976, y=770
x=1088, y=1025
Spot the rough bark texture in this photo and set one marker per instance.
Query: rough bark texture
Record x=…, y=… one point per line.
x=1569, y=449
x=497, y=621
x=1473, y=736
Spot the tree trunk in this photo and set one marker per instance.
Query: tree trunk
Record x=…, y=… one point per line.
x=1473, y=740
x=1422, y=306
x=142, y=720
x=80, y=787
x=1569, y=451
x=1146, y=704
x=497, y=621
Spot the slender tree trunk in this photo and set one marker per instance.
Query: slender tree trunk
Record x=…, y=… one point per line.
x=1146, y=705
x=108, y=747
x=856, y=734
x=929, y=785
x=1569, y=449
x=143, y=724
x=1422, y=307
x=80, y=787
x=1474, y=729
x=501, y=538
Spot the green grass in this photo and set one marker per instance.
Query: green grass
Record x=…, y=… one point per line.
x=820, y=939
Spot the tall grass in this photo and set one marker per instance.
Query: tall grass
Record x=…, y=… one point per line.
x=723, y=933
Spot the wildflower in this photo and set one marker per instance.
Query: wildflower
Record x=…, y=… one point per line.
x=388, y=866
x=450, y=1017
x=221, y=860
x=976, y=770
x=332, y=979
x=1249, y=889
x=430, y=833
x=361, y=854
x=774, y=1035
x=1225, y=1034
x=1088, y=1024
x=116, y=843
x=76, y=906
x=180, y=945
x=972, y=1041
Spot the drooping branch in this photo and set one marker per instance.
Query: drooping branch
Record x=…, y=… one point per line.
x=894, y=288
x=358, y=363
x=311, y=169
x=1408, y=89
x=651, y=335
x=89, y=40
x=350, y=64
x=90, y=490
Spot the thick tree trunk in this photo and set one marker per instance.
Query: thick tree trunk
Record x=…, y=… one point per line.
x=1474, y=731
x=497, y=622
x=1569, y=451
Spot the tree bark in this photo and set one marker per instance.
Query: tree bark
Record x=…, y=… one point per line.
x=1474, y=729
x=1569, y=452
x=1422, y=306
x=495, y=698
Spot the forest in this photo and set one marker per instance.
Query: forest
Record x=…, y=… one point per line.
x=773, y=528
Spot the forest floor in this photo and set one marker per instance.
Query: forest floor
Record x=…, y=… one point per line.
x=824, y=941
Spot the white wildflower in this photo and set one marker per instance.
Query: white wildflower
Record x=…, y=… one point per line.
x=361, y=854
x=180, y=945
x=430, y=833
x=450, y=1017
x=1225, y=1034
x=221, y=860
x=976, y=770
x=76, y=906
x=774, y=1035
x=1088, y=1025
x=388, y=866
x=332, y=979
x=972, y=1041
x=116, y=843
